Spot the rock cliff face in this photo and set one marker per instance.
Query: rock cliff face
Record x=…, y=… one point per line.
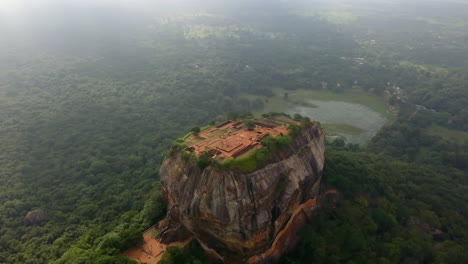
x=238, y=216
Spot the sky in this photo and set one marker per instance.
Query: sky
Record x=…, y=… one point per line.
x=17, y=12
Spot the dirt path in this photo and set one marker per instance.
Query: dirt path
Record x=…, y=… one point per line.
x=150, y=250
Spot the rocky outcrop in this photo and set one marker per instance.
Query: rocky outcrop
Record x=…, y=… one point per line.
x=240, y=215
x=36, y=218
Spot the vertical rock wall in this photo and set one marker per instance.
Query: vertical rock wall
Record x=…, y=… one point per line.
x=239, y=215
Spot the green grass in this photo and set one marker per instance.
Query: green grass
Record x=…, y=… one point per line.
x=449, y=134
x=249, y=162
x=342, y=128
x=196, y=139
x=337, y=17
x=257, y=157
x=188, y=135
x=279, y=104
x=305, y=104
x=192, y=140
x=425, y=67
x=205, y=128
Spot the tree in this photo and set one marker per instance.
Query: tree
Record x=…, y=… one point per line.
x=306, y=122
x=195, y=130
x=298, y=117
x=249, y=124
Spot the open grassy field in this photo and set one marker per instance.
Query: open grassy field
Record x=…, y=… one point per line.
x=355, y=114
x=297, y=97
x=449, y=134
x=429, y=68
x=343, y=128
x=337, y=17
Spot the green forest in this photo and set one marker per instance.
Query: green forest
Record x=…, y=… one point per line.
x=92, y=97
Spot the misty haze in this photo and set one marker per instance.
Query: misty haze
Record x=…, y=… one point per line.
x=233, y=131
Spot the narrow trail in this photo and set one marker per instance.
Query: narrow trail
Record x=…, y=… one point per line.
x=150, y=250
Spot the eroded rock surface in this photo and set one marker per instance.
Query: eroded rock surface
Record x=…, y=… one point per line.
x=239, y=215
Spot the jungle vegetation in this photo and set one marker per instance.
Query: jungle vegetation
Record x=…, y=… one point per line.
x=91, y=98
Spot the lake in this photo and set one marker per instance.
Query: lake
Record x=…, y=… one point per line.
x=355, y=115
x=357, y=123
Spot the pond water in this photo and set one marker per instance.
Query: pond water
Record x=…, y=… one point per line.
x=342, y=113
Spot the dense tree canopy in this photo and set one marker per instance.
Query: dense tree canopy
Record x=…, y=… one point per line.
x=91, y=100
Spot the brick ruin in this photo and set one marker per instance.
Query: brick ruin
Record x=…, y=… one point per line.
x=231, y=140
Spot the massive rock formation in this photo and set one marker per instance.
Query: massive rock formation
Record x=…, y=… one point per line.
x=242, y=217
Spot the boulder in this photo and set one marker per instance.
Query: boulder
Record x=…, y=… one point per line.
x=36, y=217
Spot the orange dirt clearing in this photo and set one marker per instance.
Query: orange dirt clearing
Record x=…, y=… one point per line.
x=148, y=251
